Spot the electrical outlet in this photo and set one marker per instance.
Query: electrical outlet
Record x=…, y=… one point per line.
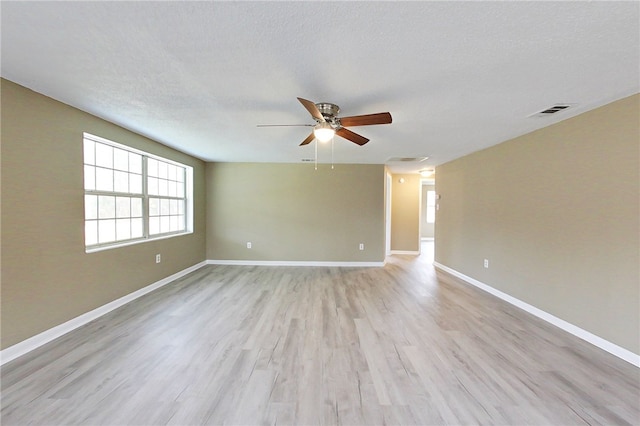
x=361, y=247
x=486, y=263
x=158, y=258
x=248, y=244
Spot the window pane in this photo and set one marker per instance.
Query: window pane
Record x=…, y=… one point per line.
x=180, y=207
x=431, y=198
x=431, y=207
x=431, y=214
x=106, y=231
x=154, y=207
x=120, y=159
x=162, y=169
x=120, y=181
x=135, y=184
x=173, y=206
x=123, y=229
x=164, y=207
x=173, y=190
x=135, y=163
x=136, y=207
x=89, y=152
x=180, y=192
x=173, y=223
x=90, y=207
x=164, y=224
x=104, y=155
x=89, y=177
x=104, y=179
x=180, y=176
x=91, y=232
x=154, y=225
x=136, y=228
x=163, y=187
x=152, y=167
x=106, y=207
x=152, y=186
x=123, y=207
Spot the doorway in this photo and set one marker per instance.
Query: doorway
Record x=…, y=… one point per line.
x=387, y=215
x=428, y=210
x=427, y=250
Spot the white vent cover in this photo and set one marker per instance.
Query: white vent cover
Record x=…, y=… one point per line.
x=552, y=110
x=406, y=159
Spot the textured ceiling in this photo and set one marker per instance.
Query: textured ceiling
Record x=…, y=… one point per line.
x=199, y=76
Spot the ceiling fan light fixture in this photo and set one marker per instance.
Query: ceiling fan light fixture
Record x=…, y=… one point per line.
x=324, y=132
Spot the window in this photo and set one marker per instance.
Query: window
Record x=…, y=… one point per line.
x=132, y=196
x=431, y=206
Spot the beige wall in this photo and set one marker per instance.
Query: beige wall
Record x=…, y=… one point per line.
x=47, y=278
x=291, y=212
x=556, y=212
x=405, y=212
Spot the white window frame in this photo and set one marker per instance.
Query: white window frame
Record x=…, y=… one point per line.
x=146, y=236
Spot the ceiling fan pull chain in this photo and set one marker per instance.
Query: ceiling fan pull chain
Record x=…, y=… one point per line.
x=332, y=153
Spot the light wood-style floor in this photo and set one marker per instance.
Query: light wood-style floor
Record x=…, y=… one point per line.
x=317, y=345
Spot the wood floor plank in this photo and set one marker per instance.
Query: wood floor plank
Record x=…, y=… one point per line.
x=400, y=344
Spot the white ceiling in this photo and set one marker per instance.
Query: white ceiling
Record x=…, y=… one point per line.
x=199, y=76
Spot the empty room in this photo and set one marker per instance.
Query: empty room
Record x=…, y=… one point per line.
x=320, y=213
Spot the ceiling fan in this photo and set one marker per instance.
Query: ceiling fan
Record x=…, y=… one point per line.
x=329, y=124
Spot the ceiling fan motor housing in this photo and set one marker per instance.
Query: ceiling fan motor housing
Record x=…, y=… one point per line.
x=329, y=112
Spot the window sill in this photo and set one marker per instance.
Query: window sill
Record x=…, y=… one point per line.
x=135, y=242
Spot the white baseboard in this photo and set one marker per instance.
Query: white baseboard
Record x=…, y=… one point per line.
x=294, y=263
x=410, y=252
x=47, y=336
x=603, y=344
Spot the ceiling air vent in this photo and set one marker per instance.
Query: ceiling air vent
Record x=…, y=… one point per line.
x=552, y=110
x=406, y=159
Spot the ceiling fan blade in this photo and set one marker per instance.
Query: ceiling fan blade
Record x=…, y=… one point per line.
x=308, y=139
x=284, y=125
x=312, y=108
x=366, y=120
x=353, y=137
